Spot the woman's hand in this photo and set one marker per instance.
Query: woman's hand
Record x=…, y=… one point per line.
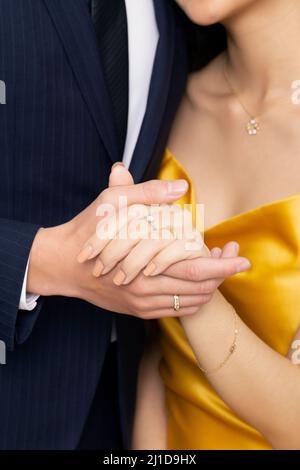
x=141, y=238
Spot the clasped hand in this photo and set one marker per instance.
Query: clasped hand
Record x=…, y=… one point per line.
x=148, y=256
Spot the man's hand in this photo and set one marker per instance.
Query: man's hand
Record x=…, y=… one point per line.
x=54, y=269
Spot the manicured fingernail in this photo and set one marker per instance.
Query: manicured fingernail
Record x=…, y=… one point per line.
x=119, y=278
x=243, y=266
x=98, y=269
x=177, y=188
x=86, y=253
x=149, y=269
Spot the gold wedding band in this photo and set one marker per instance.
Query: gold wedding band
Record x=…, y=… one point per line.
x=176, y=306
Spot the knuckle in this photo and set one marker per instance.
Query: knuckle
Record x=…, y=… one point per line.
x=106, y=195
x=135, y=288
x=144, y=305
x=112, y=195
x=135, y=305
x=207, y=287
x=148, y=190
x=140, y=286
x=201, y=288
x=151, y=189
x=131, y=288
x=193, y=271
x=143, y=316
x=140, y=305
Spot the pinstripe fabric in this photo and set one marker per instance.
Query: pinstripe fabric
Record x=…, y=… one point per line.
x=110, y=22
x=56, y=149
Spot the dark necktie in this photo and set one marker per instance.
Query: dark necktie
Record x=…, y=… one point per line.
x=110, y=22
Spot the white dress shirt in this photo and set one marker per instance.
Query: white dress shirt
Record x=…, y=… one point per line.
x=142, y=43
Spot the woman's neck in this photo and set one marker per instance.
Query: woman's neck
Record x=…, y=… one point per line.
x=263, y=49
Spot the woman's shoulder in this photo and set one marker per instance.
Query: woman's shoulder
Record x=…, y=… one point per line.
x=207, y=87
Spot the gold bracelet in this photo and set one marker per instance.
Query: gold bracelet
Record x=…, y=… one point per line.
x=230, y=352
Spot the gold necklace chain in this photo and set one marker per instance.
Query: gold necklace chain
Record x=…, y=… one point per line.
x=252, y=126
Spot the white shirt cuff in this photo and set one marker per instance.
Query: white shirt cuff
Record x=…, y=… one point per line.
x=27, y=301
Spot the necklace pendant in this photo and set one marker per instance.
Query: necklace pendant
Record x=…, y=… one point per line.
x=252, y=127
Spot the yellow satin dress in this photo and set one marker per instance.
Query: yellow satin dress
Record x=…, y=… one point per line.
x=267, y=298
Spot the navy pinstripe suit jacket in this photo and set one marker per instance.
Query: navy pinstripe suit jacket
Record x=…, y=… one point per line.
x=57, y=144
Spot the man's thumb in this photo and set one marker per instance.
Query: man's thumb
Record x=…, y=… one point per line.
x=120, y=176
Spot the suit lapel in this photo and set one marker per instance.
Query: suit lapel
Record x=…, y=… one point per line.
x=75, y=29
x=159, y=89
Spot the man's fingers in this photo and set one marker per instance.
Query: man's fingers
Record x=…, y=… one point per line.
x=208, y=268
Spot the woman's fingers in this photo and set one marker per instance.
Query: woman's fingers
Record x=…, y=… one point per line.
x=158, y=226
x=172, y=254
x=112, y=254
x=115, y=225
x=138, y=248
x=137, y=254
x=141, y=255
x=106, y=231
x=132, y=221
